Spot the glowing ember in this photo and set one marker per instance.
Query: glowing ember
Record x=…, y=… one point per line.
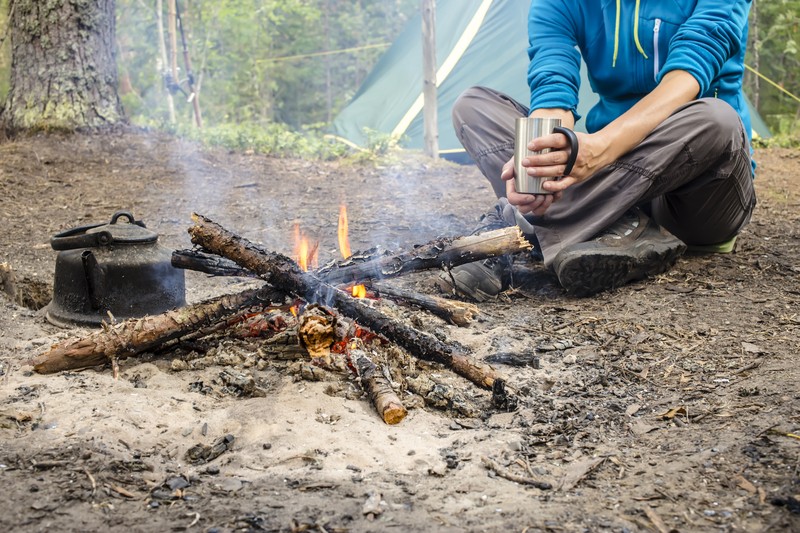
x=305, y=250
x=359, y=291
x=344, y=241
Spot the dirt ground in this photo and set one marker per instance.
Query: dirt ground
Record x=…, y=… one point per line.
x=670, y=404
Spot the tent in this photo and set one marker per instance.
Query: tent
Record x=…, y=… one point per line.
x=478, y=42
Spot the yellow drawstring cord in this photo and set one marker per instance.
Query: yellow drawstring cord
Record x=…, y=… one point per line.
x=635, y=33
x=616, y=37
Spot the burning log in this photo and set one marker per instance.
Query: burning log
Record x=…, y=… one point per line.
x=455, y=312
x=284, y=273
x=379, y=389
x=208, y=264
x=138, y=335
x=438, y=253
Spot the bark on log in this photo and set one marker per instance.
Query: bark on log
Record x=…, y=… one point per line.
x=435, y=254
x=283, y=272
x=379, y=389
x=208, y=264
x=455, y=312
x=138, y=335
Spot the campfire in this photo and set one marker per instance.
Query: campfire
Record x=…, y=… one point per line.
x=334, y=313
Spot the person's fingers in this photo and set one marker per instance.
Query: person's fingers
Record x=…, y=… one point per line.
x=556, y=141
x=558, y=186
x=546, y=203
x=550, y=159
x=546, y=172
x=508, y=171
x=529, y=204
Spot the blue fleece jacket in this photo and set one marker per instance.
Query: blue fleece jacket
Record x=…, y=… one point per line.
x=628, y=45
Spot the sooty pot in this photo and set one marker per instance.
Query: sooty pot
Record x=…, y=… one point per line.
x=117, y=268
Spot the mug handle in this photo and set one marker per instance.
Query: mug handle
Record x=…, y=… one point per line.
x=573, y=147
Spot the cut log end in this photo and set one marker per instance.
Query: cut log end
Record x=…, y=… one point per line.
x=394, y=414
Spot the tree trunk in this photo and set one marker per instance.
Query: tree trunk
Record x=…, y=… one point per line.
x=63, y=66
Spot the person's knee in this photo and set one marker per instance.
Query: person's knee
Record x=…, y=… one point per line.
x=720, y=121
x=466, y=106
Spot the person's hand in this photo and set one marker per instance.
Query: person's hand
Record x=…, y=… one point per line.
x=536, y=204
x=553, y=163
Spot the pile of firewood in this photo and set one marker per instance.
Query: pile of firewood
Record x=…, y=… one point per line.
x=221, y=252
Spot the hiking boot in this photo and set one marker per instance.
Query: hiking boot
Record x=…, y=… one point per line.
x=485, y=279
x=632, y=248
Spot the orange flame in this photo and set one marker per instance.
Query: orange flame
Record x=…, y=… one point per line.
x=344, y=241
x=305, y=250
x=359, y=291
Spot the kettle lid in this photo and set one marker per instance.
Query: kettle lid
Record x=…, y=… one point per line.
x=132, y=232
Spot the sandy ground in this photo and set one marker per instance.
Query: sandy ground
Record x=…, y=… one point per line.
x=671, y=404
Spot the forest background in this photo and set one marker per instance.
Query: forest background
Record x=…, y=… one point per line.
x=272, y=74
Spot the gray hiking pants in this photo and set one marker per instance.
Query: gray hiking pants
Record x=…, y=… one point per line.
x=692, y=173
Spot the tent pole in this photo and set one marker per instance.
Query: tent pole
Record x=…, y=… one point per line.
x=429, y=78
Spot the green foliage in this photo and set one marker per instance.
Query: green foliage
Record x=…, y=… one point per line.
x=257, y=61
x=271, y=139
x=779, y=140
x=279, y=64
x=773, y=51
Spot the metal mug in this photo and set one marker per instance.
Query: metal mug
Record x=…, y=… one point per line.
x=525, y=130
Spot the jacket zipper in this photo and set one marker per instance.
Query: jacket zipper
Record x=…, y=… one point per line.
x=656, y=65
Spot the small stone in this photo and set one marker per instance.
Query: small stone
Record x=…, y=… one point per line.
x=267, y=446
x=178, y=365
x=231, y=484
x=570, y=359
x=177, y=482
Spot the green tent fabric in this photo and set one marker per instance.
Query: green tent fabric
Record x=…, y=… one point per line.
x=478, y=42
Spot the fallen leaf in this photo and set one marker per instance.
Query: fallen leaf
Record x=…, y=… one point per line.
x=752, y=348
x=578, y=471
x=743, y=483
x=640, y=428
x=675, y=411
x=632, y=409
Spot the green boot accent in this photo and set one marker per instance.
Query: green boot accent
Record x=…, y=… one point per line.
x=725, y=247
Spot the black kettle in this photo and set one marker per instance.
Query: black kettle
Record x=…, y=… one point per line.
x=116, y=268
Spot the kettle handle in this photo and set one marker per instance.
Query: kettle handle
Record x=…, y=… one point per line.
x=78, y=238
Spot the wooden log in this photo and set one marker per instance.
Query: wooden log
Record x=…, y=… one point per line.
x=208, y=264
x=283, y=272
x=455, y=312
x=379, y=389
x=138, y=335
x=435, y=254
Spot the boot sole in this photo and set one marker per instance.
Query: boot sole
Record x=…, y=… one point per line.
x=589, y=271
x=466, y=285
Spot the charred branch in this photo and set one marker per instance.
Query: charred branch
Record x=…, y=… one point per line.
x=455, y=312
x=283, y=272
x=378, y=389
x=436, y=254
x=138, y=335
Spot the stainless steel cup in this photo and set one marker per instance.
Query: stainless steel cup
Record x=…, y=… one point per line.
x=526, y=129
